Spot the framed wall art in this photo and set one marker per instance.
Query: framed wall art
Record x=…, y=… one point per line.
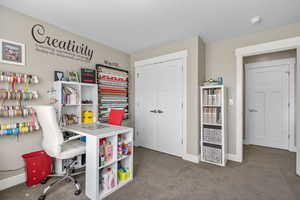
x=12, y=52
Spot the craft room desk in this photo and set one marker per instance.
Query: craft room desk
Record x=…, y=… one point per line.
x=93, y=133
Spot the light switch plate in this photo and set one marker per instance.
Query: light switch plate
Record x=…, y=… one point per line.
x=231, y=102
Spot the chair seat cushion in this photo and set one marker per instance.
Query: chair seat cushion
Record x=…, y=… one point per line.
x=71, y=149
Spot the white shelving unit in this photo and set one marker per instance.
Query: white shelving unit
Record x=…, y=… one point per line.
x=85, y=91
x=213, y=140
x=94, y=171
x=126, y=161
x=95, y=133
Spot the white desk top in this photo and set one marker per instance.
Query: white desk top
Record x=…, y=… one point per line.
x=99, y=130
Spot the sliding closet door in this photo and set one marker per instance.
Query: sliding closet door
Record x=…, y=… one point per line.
x=169, y=106
x=145, y=98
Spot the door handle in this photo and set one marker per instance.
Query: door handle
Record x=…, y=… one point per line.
x=252, y=110
x=153, y=111
x=160, y=111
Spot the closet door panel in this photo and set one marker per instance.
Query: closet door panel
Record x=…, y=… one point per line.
x=169, y=105
x=145, y=106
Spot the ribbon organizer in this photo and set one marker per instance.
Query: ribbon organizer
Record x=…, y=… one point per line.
x=18, y=99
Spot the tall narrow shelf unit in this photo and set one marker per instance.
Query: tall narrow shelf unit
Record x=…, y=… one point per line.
x=112, y=90
x=74, y=106
x=213, y=124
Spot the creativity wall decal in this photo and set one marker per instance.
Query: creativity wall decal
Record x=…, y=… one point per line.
x=64, y=48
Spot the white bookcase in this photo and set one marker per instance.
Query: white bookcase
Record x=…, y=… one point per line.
x=85, y=91
x=213, y=138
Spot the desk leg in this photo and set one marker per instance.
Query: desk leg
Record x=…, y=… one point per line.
x=92, y=164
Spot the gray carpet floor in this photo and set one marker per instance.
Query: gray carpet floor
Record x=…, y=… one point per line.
x=265, y=174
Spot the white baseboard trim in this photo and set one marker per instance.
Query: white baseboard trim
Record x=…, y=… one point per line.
x=12, y=181
x=191, y=157
x=233, y=157
x=293, y=149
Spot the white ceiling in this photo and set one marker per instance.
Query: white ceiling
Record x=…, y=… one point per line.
x=132, y=25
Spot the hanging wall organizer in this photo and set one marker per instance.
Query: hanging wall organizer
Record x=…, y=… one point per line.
x=112, y=90
x=14, y=103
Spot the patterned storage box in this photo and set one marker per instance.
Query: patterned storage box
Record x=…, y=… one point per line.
x=212, y=153
x=212, y=134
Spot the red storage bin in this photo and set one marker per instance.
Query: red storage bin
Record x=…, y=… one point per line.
x=116, y=117
x=38, y=166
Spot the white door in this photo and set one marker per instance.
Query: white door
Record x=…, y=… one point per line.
x=267, y=104
x=146, y=100
x=158, y=106
x=169, y=106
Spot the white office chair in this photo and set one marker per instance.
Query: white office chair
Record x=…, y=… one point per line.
x=55, y=146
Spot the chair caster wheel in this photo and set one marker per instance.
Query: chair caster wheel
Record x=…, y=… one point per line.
x=68, y=180
x=42, y=197
x=77, y=192
x=43, y=182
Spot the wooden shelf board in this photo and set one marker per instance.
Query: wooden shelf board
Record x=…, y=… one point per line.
x=124, y=157
x=121, y=184
x=211, y=124
x=107, y=164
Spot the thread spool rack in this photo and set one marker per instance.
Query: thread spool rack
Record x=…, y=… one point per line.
x=15, y=95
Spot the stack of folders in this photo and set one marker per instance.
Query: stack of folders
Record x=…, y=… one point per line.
x=212, y=96
x=212, y=115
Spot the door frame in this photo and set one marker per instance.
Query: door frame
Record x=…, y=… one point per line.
x=181, y=55
x=269, y=47
x=287, y=61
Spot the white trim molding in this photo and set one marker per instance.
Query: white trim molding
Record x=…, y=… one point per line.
x=232, y=157
x=169, y=57
x=163, y=58
x=12, y=181
x=192, y=158
x=269, y=47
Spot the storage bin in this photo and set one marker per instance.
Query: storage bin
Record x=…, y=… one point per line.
x=38, y=166
x=212, y=134
x=212, y=153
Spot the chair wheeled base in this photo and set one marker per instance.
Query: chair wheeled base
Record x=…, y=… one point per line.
x=68, y=176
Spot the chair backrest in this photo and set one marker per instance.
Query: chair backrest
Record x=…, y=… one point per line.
x=52, y=135
x=116, y=117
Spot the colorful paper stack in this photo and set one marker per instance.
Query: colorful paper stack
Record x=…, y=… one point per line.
x=113, y=93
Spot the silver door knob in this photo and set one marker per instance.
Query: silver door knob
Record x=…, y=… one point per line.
x=160, y=111
x=153, y=111
x=252, y=110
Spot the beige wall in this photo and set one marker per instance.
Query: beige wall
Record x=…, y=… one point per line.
x=17, y=27
x=220, y=61
x=195, y=74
